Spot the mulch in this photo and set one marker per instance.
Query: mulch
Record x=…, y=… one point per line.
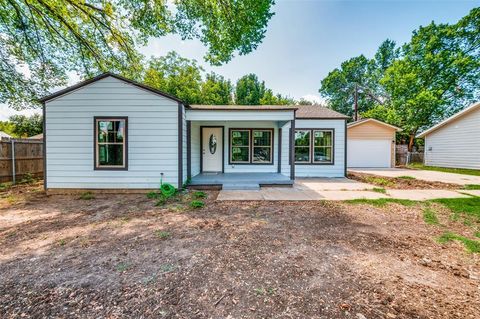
x=400, y=183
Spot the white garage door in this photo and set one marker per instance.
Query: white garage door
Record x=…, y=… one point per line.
x=368, y=153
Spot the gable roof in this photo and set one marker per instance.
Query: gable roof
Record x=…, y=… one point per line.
x=103, y=76
x=243, y=107
x=455, y=116
x=363, y=121
x=318, y=112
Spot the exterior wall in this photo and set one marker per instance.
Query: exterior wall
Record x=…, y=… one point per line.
x=456, y=144
x=233, y=168
x=374, y=131
x=335, y=170
x=152, y=137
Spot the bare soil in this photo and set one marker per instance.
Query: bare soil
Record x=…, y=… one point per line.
x=400, y=183
x=120, y=256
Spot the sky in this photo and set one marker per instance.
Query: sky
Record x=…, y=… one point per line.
x=306, y=39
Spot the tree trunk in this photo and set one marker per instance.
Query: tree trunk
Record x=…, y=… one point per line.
x=411, y=140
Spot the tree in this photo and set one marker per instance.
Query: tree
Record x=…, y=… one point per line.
x=177, y=76
x=45, y=39
x=438, y=74
x=249, y=90
x=269, y=98
x=25, y=126
x=216, y=90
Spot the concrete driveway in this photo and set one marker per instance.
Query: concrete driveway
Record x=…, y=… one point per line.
x=431, y=176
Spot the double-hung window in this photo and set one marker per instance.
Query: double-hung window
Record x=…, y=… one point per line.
x=314, y=146
x=251, y=146
x=110, y=143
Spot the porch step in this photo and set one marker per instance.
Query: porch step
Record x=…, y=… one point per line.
x=241, y=186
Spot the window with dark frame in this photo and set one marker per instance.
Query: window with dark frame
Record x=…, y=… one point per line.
x=314, y=146
x=110, y=143
x=251, y=146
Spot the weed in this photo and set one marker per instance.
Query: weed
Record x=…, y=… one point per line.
x=262, y=291
x=477, y=234
x=406, y=177
x=161, y=201
x=430, y=217
x=472, y=246
x=197, y=204
x=121, y=267
x=382, y=201
x=162, y=234
x=471, y=187
x=27, y=178
x=379, y=181
x=199, y=194
x=62, y=242
x=153, y=195
x=379, y=190
x=87, y=196
x=165, y=268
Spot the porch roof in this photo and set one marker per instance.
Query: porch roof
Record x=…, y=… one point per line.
x=240, y=113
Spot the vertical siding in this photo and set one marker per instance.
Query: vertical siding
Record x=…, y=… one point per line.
x=457, y=144
x=152, y=137
x=336, y=170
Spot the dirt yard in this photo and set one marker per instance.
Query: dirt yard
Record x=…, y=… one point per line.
x=403, y=182
x=120, y=256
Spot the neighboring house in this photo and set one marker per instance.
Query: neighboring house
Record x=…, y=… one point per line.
x=112, y=133
x=371, y=143
x=4, y=135
x=455, y=142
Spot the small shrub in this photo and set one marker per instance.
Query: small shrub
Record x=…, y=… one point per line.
x=197, y=204
x=152, y=195
x=87, y=196
x=430, y=217
x=62, y=242
x=379, y=190
x=406, y=177
x=27, y=178
x=162, y=234
x=199, y=194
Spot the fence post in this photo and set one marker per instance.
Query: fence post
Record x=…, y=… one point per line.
x=13, y=162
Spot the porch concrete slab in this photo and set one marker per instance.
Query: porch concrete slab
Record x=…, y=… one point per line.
x=331, y=184
x=431, y=176
x=423, y=194
x=471, y=192
x=240, y=195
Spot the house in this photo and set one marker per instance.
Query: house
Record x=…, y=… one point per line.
x=4, y=135
x=454, y=142
x=371, y=143
x=112, y=133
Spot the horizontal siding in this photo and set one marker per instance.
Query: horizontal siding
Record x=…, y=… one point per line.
x=336, y=170
x=371, y=131
x=456, y=144
x=152, y=137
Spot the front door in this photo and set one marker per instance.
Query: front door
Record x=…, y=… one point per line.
x=212, y=149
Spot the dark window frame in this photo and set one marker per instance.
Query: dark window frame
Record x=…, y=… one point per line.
x=96, y=165
x=312, y=147
x=250, y=146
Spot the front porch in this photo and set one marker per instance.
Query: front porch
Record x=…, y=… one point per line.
x=240, y=180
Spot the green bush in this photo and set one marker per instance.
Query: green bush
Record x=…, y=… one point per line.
x=199, y=194
x=197, y=204
x=87, y=196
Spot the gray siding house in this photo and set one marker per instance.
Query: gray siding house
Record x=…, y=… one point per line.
x=112, y=133
x=455, y=142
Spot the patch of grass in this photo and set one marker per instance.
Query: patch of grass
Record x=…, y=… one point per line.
x=469, y=206
x=197, y=204
x=379, y=181
x=12, y=199
x=472, y=246
x=477, y=234
x=406, y=177
x=121, y=267
x=430, y=216
x=379, y=190
x=62, y=242
x=161, y=201
x=87, y=196
x=382, y=201
x=471, y=187
x=162, y=234
x=199, y=194
x=465, y=171
x=153, y=195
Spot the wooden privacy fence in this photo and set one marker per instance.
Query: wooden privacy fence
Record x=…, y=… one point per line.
x=20, y=158
x=403, y=157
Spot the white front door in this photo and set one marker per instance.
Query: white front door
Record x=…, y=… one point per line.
x=369, y=153
x=212, y=149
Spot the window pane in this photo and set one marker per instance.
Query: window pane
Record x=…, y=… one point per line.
x=322, y=138
x=261, y=154
x=302, y=154
x=262, y=138
x=302, y=138
x=240, y=138
x=240, y=154
x=110, y=155
x=120, y=131
x=322, y=154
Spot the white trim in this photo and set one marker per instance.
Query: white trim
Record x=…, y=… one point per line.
x=448, y=120
x=360, y=122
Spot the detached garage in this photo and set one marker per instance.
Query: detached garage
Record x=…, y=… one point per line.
x=371, y=143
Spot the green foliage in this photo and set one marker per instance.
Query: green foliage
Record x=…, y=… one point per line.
x=153, y=195
x=378, y=181
x=25, y=126
x=27, y=178
x=249, y=90
x=7, y=127
x=469, y=206
x=406, y=177
x=87, y=196
x=199, y=194
x=197, y=204
x=471, y=187
x=381, y=202
x=162, y=234
x=430, y=216
x=53, y=37
x=379, y=190
x=472, y=246
x=466, y=171
x=215, y=90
